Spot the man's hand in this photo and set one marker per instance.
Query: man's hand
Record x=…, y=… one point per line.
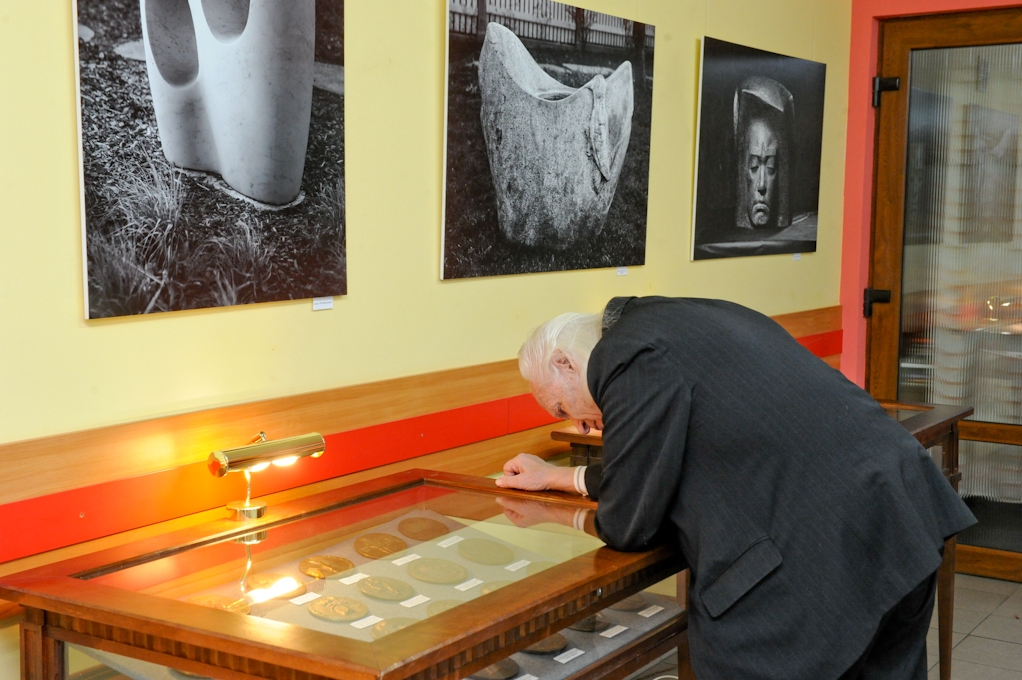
x=532, y=473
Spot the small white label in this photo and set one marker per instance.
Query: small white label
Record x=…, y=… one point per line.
x=471, y=583
x=796, y=256
x=354, y=578
x=611, y=632
x=448, y=542
x=366, y=622
x=322, y=303
x=565, y=657
x=304, y=599
x=518, y=565
x=622, y=271
x=406, y=559
x=526, y=677
x=650, y=611
x=415, y=601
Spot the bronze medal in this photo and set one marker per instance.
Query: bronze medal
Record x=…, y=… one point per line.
x=439, y=606
x=385, y=588
x=378, y=546
x=485, y=551
x=493, y=586
x=631, y=604
x=266, y=580
x=338, y=609
x=441, y=572
x=388, y=626
x=324, y=566
x=549, y=645
x=229, y=604
x=592, y=624
x=422, y=528
x=537, y=567
x=502, y=670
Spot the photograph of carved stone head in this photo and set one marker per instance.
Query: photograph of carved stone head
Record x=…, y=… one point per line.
x=759, y=148
x=212, y=150
x=547, y=148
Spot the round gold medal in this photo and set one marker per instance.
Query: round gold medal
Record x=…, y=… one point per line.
x=549, y=645
x=422, y=528
x=386, y=588
x=230, y=604
x=502, y=670
x=266, y=580
x=324, y=566
x=442, y=572
x=485, y=551
x=338, y=609
x=592, y=624
x=630, y=604
x=388, y=626
x=439, y=606
x=378, y=546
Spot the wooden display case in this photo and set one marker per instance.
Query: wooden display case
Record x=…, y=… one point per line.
x=540, y=575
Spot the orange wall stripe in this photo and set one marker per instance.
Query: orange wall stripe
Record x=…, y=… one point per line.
x=823, y=344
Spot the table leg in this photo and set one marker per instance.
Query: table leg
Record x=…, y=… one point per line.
x=946, y=606
x=42, y=658
x=684, y=665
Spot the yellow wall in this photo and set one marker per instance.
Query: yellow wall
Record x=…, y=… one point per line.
x=60, y=373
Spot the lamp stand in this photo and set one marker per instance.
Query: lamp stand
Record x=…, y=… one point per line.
x=245, y=510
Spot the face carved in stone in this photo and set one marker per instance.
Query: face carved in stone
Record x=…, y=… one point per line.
x=761, y=172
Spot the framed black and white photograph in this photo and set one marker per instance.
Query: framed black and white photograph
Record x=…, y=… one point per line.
x=759, y=146
x=212, y=151
x=547, y=138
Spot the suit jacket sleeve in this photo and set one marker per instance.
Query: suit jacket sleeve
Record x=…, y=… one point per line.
x=646, y=405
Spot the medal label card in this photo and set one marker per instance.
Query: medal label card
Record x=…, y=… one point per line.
x=406, y=559
x=526, y=677
x=304, y=599
x=354, y=578
x=448, y=542
x=366, y=622
x=650, y=611
x=565, y=657
x=611, y=632
x=518, y=565
x=415, y=601
x=468, y=585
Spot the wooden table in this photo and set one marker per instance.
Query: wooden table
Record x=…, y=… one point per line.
x=129, y=600
x=933, y=426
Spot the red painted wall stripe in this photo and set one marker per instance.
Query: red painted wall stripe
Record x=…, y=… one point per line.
x=823, y=344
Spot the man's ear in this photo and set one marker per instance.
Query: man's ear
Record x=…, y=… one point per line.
x=563, y=363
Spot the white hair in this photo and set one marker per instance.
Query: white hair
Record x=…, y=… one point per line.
x=573, y=334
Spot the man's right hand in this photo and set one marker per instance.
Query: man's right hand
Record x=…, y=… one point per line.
x=531, y=473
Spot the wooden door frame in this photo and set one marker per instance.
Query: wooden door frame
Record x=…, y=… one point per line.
x=897, y=39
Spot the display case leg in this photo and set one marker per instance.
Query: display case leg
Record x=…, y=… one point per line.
x=42, y=658
x=684, y=665
x=946, y=606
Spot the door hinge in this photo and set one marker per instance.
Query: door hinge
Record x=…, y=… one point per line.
x=884, y=85
x=871, y=296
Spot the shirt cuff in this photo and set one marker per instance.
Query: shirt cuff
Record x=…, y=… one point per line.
x=580, y=480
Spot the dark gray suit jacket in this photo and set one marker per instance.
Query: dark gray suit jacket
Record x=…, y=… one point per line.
x=804, y=511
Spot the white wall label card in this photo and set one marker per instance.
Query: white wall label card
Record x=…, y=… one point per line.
x=415, y=601
x=406, y=559
x=305, y=599
x=611, y=632
x=797, y=256
x=650, y=611
x=467, y=585
x=622, y=271
x=321, y=303
x=518, y=565
x=448, y=542
x=366, y=622
x=565, y=657
x=354, y=578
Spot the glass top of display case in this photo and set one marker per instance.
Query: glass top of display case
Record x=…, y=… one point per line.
x=417, y=572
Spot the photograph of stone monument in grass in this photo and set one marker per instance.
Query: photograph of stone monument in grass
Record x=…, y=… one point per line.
x=212, y=135
x=547, y=148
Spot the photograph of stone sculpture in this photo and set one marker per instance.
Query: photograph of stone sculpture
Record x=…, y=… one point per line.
x=547, y=148
x=212, y=138
x=759, y=148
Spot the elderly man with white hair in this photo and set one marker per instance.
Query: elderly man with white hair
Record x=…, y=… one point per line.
x=813, y=523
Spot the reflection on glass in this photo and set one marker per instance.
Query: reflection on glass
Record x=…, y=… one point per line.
x=368, y=570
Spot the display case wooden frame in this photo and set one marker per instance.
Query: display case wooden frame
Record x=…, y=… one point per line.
x=60, y=608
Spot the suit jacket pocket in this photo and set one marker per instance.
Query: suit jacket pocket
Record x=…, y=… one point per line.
x=751, y=567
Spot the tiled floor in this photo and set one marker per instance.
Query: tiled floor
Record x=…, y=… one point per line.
x=988, y=631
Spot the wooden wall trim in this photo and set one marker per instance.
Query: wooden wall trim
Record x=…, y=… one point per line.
x=1001, y=564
